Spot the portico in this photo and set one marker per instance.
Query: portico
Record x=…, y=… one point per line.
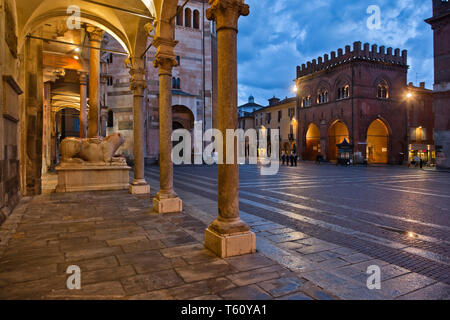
x=48, y=49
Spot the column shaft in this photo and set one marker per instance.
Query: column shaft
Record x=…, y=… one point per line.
x=228, y=235
x=138, y=85
x=165, y=131
x=95, y=37
x=166, y=200
x=83, y=105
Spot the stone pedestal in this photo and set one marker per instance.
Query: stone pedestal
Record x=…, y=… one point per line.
x=139, y=187
x=168, y=205
x=79, y=178
x=230, y=245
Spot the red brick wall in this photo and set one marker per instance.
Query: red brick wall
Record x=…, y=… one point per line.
x=362, y=70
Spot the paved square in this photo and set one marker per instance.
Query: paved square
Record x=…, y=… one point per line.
x=342, y=220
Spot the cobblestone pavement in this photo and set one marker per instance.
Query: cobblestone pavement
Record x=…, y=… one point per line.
x=125, y=251
x=328, y=224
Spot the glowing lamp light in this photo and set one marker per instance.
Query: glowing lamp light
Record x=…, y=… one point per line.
x=294, y=89
x=76, y=57
x=77, y=49
x=409, y=95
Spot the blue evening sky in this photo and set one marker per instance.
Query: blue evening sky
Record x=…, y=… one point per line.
x=278, y=35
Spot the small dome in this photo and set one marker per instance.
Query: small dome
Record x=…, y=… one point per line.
x=251, y=99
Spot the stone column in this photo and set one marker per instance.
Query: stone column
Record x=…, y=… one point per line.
x=228, y=235
x=166, y=200
x=95, y=39
x=138, y=85
x=83, y=105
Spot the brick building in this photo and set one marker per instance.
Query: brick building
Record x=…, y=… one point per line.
x=361, y=94
x=440, y=22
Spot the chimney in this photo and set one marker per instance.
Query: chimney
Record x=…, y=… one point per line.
x=273, y=101
x=422, y=85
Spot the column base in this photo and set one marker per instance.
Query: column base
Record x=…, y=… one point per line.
x=230, y=245
x=139, y=189
x=168, y=205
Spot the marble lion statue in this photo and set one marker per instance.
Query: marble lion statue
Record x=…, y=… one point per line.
x=92, y=150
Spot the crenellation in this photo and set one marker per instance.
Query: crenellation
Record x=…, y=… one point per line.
x=404, y=56
x=359, y=51
x=357, y=48
x=374, y=52
x=366, y=50
x=347, y=49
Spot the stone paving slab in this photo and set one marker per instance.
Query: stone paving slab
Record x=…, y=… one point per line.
x=347, y=268
x=126, y=251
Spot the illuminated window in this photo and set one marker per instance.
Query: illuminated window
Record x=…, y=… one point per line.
x=306, y=102
x=343, y=92
x=383, y=90
x=322, y=96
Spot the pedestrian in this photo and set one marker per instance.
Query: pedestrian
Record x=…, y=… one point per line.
x=295, y=159
x=292, y=159
x=283, y=157
x=421, y=163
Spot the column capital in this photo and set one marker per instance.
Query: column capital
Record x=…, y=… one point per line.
x=165, y=58
x=138, y=83
x=95, y=34
x=227, y=12
x=83, y=78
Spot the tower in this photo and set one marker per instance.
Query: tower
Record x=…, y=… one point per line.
x=440, y=23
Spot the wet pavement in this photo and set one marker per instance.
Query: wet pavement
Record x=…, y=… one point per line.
x=125, y=251
x=318, y=230
x=330, y=223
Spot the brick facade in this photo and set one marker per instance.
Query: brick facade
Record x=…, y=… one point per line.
x=362, y=92
x=440, y=23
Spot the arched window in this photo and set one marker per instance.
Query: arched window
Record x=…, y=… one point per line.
x=306, y=102
x=178, y=83
x=187, y=18
x=174, y=83
x=196, y=19
x=110, y=121
x=343, y=92
x=383, y=90
x=322, y=96
x=179, y=16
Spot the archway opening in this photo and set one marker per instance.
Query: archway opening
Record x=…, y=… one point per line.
x=336, y=135
x=312, y=143
x=377, y=142
x=287, y=148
